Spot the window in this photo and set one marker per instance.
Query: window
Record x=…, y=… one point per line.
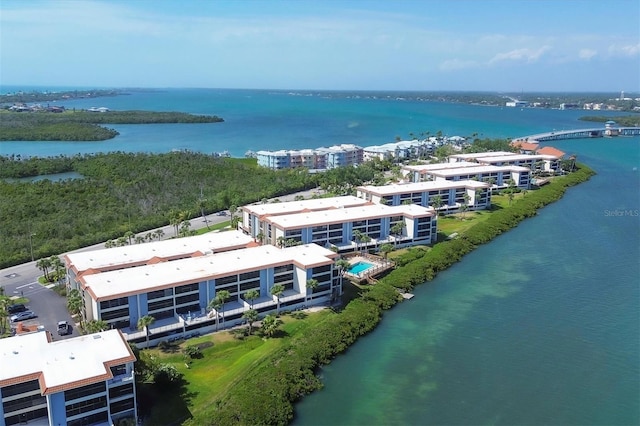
x=283, y=278
x=120, y=406
x=119, y=391
x=106, y=316
x=118, y=370
x=160, y=293
x=187, y=288
x=283, y=268
x=321, y=269
x=249, y=275
x=23, y=403
x=187, y=299
x=20, y=388
x=96, y=418
x=84, y=391
x=106, y=304
x=166, y=303
x=226, y=280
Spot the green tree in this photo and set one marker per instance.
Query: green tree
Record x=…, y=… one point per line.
x=202, y=204
x=223, y=296
x=385, y=249
x=144, y=323
x=270, y=325
x=96, y=326
x=129, y=236
x=260, y=237
x=252, y=295
x=277, y=291
x=159, y=233
x=397, y=230
x=250, y=316
x=75, y=304
x=215, y=304
x=44, y=264
x=58, y=269
x=312, y=284
x=343, y=265
x=465, y=204
x=437, y=202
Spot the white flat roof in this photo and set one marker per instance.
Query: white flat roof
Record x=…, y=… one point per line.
x=439, y=166
x=518, y=157
x=421, y=187
x=371, y=211
x=482, y=154
x=479, y=170
x=63, y=364
x=145, y=278
x=289, y=207
x=142, y=253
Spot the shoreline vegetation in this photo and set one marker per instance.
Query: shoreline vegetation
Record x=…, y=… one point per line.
x=268, y=380
x=624, y=121
x=547, y=100
x=71, y=125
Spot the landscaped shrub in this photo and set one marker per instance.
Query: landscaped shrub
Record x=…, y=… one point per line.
x=193, y=351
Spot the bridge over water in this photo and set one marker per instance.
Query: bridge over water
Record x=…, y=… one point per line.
x=581, y=134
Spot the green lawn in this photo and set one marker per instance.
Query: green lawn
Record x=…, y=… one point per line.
x=223, y=364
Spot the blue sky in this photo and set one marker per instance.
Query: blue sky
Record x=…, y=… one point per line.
x=483, y=45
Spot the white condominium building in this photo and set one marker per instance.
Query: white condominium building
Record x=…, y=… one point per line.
x=254, y=216
x=96, y=261
x=347, y=229
x=177, y=294
x=84, y=380
x=319, y=158
x=451, y=195
x=498, y=176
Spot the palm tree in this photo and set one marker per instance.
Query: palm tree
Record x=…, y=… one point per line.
x=357, y=236
x=74, y=304
x=223, y=296
x=396, y=230
x=202, y=203
x=252, y=295
x=250, y=316
x=4, y=315
x=270, y=325
x=58, y=268
x=312, y=284
x=437, y=202
x=96, y=326
x=129, y=236
x=144, y=323
x=44, y=264
x=174, y=220
x=260, y=237
x=385, y=249
x=140, y=239
x=109, y=244
x=277, y=291
x=159, y=233
x=280, y=241
x=365, y=240
x=465, y=204
x=215, y=304
x=343, y=265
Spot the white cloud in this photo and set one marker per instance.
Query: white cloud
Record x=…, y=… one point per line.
x=629, y=50
x=519, y=55
x=587, y=53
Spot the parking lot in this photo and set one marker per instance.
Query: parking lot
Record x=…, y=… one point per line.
x=47, y=305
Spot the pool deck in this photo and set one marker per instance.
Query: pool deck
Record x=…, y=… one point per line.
x=380, y=265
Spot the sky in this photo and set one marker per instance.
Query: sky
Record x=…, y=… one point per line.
x=454, y=45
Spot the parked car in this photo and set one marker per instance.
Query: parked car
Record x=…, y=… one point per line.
x=63, y=328
x=17, y=308
x=22, y=316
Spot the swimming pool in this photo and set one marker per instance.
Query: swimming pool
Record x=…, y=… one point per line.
x=361, y=266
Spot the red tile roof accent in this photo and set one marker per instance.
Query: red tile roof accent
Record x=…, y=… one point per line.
x=525, y=146
x=549, y=150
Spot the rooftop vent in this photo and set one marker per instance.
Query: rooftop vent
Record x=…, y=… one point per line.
x=97, y=336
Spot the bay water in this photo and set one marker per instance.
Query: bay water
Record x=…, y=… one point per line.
x=540, y=326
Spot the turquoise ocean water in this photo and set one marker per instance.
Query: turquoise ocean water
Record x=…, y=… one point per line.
x=539, y=327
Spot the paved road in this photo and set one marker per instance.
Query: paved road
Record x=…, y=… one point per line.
x=21, y=280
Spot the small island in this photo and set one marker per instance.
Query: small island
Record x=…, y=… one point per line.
x=23, y=123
